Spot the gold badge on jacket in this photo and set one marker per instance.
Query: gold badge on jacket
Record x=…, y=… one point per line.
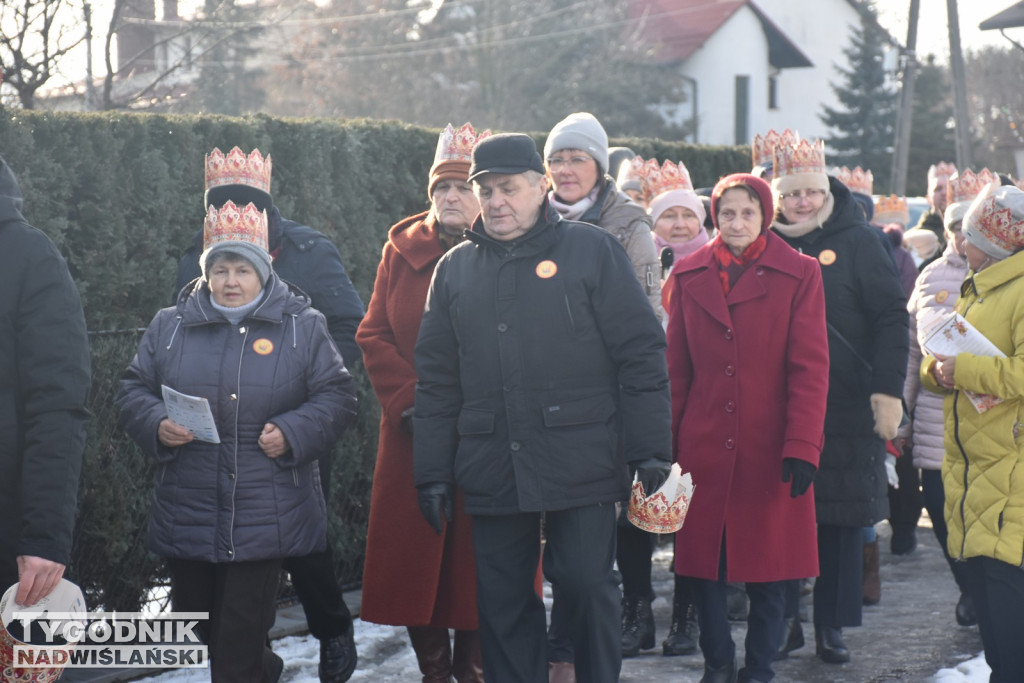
x=827, y=257
x=263, y=346
x=942, y=296
x=546, y=269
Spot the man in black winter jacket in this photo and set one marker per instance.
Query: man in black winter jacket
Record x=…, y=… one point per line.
x=541, y=384
x=305, y=258
x=44, y=383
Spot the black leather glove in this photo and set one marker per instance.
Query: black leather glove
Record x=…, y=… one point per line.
x=436, y=501
x=652, y=473
x=802, y=474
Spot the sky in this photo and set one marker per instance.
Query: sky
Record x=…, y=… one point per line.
x=932, y=30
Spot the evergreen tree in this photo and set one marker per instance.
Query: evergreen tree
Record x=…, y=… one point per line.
x=863, y=129
x=931, y=135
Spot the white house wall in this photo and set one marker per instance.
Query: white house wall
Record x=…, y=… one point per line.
x=737, y=48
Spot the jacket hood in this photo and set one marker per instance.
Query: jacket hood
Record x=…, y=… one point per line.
x=280, y=299
x=10, y=195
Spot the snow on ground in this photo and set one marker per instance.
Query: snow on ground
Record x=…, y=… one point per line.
x=972, y=671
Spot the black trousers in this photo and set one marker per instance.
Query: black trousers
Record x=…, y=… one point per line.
x=578, y=559
x=316, y=584
x=634, y=549
x=998, y=591
x=839, y=590
x=934, y=501
x=241, y=598
x=764, y=623
x=905, y=503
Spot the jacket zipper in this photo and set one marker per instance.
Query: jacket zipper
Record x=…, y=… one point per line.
x=568, y=309
x=963, y=456
x=244, y=331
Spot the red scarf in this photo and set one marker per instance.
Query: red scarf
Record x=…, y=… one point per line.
x=730, y=267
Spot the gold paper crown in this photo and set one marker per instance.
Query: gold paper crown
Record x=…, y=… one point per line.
x=659, y=179
x=656, y=513
x=891, y=209
x=943, y=169
x=231, y=224
x=857, y=180
x=763, y=148
x=457, y=145
x=963, y=187
x=238, y=169
x=802, y=157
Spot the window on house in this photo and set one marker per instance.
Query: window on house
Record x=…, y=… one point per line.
x=773, y=92
x=742, y=113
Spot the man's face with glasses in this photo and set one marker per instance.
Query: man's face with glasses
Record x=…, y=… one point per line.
x=799, y=206
x=573, y=172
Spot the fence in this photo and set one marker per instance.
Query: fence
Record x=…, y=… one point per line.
x=109, y=559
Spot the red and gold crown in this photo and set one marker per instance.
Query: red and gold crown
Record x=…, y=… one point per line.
x=998, y=215
x=238, y=169
x=857, y=180
x=964, y=187
x=659, y=179
x=656, y=513
x=943, y=169
x=457, y=145
x=763, y=148
x=803, y=156
x=231, y=224
x=891, y=209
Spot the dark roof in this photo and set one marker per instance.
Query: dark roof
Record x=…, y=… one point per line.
x=1011, y=17
x=678, y=28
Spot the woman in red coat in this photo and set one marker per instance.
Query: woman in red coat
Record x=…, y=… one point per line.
x=414, y=577
x=748, y=363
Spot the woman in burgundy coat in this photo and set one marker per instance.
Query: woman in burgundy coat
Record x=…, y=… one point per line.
x=748, y=363
x=414, y=577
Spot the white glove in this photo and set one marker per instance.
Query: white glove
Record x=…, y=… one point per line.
x=888, y=411
x=890, y=470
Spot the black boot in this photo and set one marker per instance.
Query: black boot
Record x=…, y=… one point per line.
x=338, y=658
x=829, y=644
x=637, y=626
x=684, y=633
x=792, y=637
x=722, y=674
x=965, y=612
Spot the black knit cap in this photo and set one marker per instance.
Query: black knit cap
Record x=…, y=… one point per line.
x=506, y=153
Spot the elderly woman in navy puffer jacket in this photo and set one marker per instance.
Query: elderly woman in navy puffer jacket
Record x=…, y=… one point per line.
x=225, y=514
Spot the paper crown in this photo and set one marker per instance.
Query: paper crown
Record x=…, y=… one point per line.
x=457, y=145
x=998, y=215
x=858, y=180
x=632, y=172
x=763, y=148
x=231, y=224
x=964, y=187
x=891, y=209
x=943, y=169
x=664, y=511
x=803, y=156
x=660, y=179
x=238, y=169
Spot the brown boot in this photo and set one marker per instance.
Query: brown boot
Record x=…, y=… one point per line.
x=468, y=661
x=433, y=653
x=872, y=586
x=561, y=672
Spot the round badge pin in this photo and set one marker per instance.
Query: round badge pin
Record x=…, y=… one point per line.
x=827, y=257
x=546, y=269
x=942, y=296
x=263, y=346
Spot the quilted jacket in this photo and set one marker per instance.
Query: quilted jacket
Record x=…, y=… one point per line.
x=983, y=471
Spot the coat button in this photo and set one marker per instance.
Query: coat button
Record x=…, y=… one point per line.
x=730, y=406
x=729, y=371
x=241, y=330
x=730, y=444
x=759, y=271
x=231, y=475
x=728, y=334
x=231, y=553
x=514, y=446
x=502, y=327
x=234, y=397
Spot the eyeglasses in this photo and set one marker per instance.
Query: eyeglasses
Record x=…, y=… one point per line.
x=556, y=163
x=796, y=195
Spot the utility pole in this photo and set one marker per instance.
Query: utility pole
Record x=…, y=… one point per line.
x=904, y=118
x=90, y=92
x=956, y=65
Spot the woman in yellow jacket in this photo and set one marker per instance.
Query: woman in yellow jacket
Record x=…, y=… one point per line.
x=983, y=469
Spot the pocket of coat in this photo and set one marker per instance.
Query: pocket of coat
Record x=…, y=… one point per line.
x=579, y=411
x=473, y=421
